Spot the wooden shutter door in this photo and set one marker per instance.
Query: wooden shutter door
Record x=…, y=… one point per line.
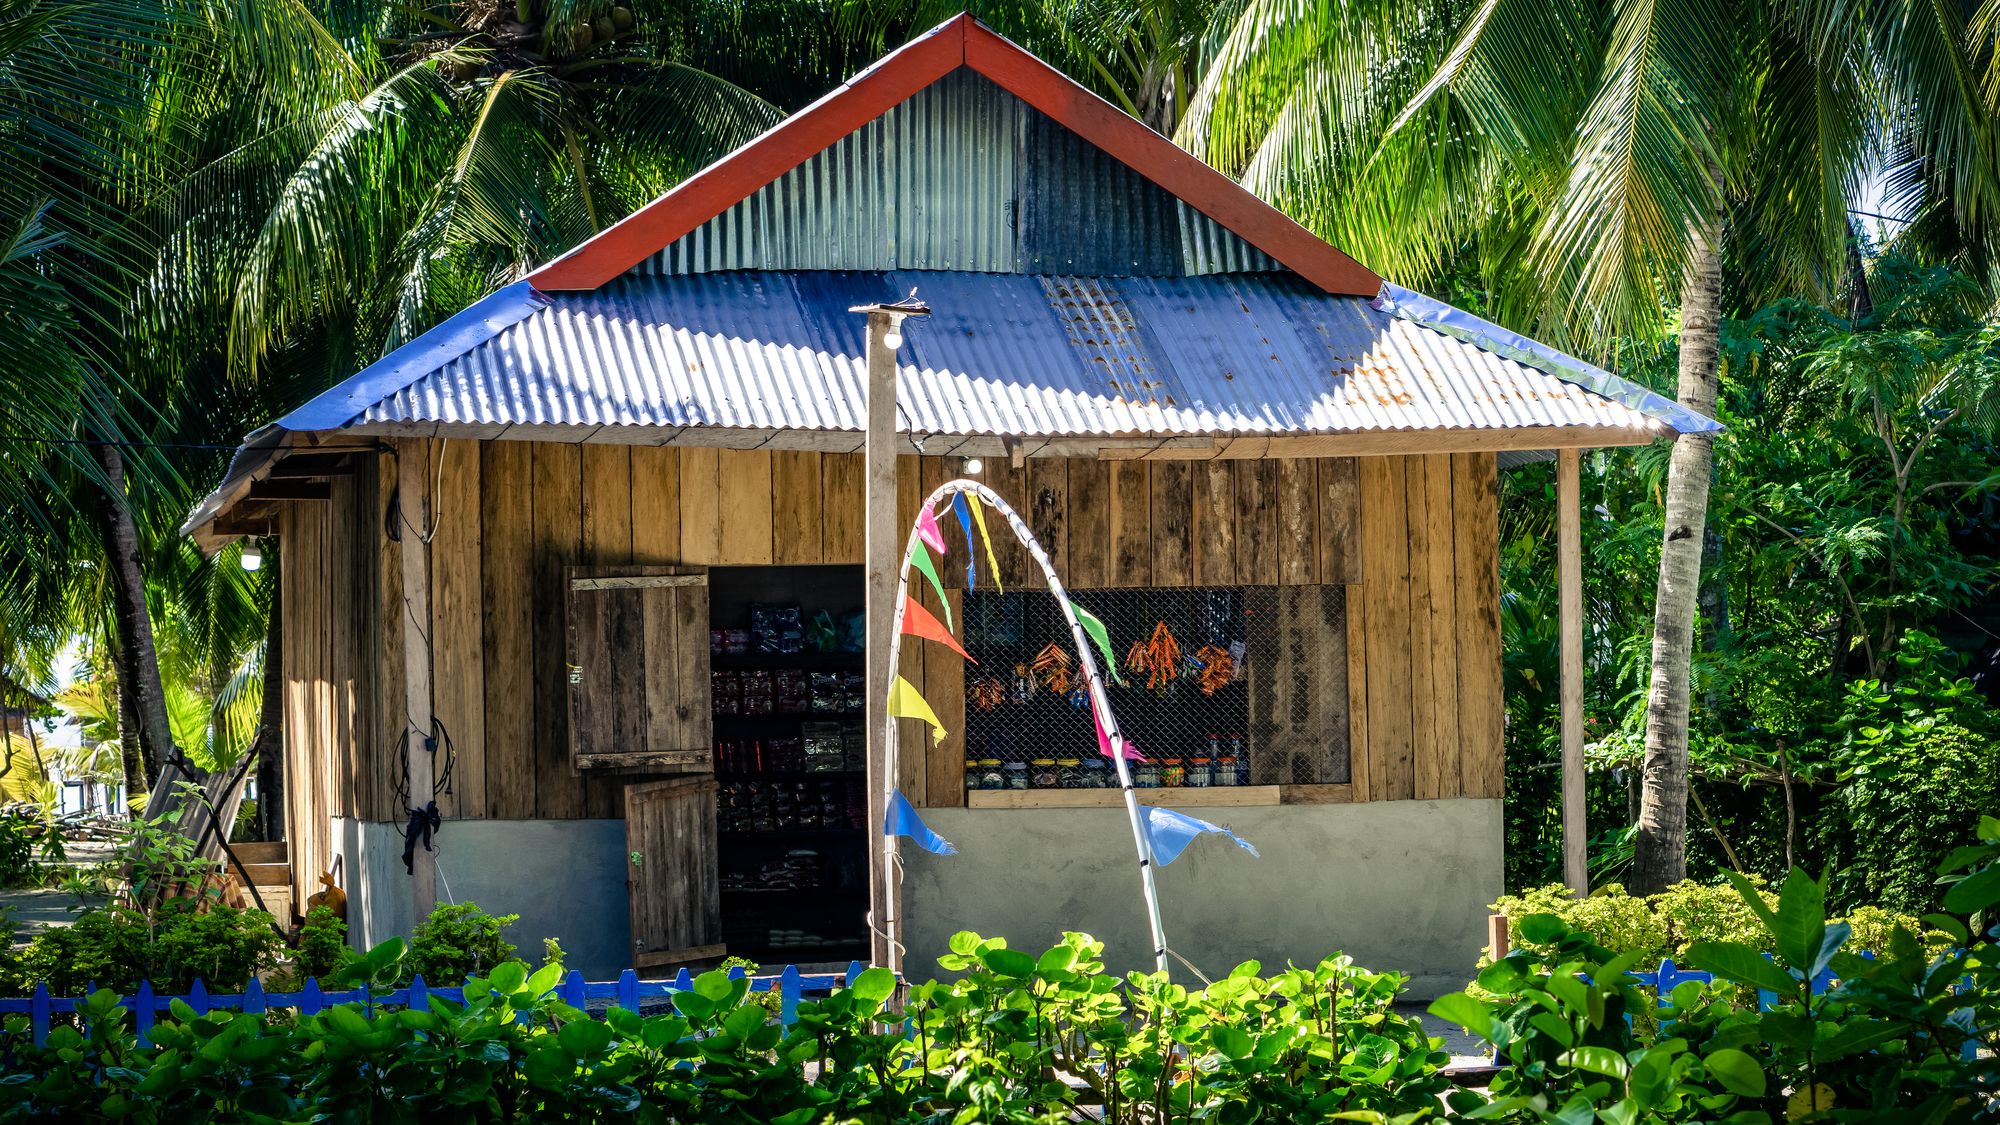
x=671, y=871
x=638, y=670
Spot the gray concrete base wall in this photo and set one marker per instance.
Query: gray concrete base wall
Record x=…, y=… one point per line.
x=565, y=878
x=1396, y=885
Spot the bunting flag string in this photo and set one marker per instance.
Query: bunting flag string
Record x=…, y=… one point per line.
x=1172, y=831
x=921, y=559
x=992, y=561
x=918, y=622
x=1102, y=637
x=902, y=820
x=906, y=702
x=1104, y=741
x=928, y=530
x=964, y=513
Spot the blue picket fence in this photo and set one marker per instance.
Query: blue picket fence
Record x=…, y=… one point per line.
x=627, y=992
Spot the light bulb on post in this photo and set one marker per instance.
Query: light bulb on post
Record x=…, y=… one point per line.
x=252, y=557
x=893, y=340
x=973, y=465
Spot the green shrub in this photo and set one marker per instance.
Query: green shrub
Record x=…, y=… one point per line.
x=458, y=940
x=1669, y=923
x=322, y=943
x=989, y=1045
x=118, y=947
x=18, y=837
x=1918, y=762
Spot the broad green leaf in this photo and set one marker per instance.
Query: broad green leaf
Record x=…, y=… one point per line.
x=1060, y=959
x=1737, y=1071
x=1008, y=962
x=1473, y=1015
x=1975, y=892
x=1597, y=1059
x=584, y=1038
x=873, y=985
x=691, y=1004
x=507, y=977
x=1801, y=918
x=1741, y=964
x=745, y=1022
x=1233, y=1042
x=1541, y=929
x=715, y=985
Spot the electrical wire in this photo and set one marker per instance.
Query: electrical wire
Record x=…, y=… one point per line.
x=122, y=443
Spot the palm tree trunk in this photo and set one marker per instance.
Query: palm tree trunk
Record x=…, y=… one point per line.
x=138, y=658
x=1662, y=841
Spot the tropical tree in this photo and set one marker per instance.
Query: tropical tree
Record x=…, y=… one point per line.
x=1598, y=162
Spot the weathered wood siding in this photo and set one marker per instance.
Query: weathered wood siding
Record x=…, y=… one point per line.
x=1414, y=539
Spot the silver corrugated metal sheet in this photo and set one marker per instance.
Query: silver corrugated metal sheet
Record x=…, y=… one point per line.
x=962, y=176
x=1011, y=355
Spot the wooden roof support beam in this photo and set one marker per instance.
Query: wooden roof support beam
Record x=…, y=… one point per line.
x=293, y=489
x=313, y=465
x=1569, y=580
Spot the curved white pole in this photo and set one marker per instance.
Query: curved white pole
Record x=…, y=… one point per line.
x=1100, y=703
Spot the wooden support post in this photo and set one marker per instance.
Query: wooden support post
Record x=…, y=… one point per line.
x=882, y=549
x=1569, y=568
x=415, y=518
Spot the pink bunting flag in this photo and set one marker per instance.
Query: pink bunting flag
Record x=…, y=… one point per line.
x=1104, y=742
x=928, y=530
x=918, y=622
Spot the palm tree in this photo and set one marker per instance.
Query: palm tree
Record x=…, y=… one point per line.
x=1595, y=162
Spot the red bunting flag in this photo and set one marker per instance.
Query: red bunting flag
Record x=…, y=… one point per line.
x=918, y=622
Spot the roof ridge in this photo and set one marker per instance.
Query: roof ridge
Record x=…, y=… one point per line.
x=962, y=41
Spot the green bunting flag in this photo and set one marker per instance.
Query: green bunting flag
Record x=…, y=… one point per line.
x=922, y=560
x=1102, y=637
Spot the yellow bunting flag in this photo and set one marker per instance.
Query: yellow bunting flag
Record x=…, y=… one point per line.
x=993, y=564
x=906, y=703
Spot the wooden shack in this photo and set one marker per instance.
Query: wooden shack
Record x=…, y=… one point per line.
x=584, y=561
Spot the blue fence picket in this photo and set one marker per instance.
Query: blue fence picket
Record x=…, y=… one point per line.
x=788, y=996
x=38, y=1014
x=145, y=1006
x=627, y=992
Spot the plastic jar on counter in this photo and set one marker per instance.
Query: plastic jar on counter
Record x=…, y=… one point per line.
x=1069, y=773
x=1146, y=775
x=1017, y=775
x=1173, y=774
x=1042, y=774
x=1225, y=771
x=1096, y=773
x=990, y=774
x=973, y=780
x=1200, y=771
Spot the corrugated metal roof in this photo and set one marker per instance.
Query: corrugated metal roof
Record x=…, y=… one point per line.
x=962, y=176
x=1008, y=355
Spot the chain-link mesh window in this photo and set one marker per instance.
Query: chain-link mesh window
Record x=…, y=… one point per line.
x=1224, y=685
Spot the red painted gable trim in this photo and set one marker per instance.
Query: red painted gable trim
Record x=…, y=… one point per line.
x=961, y=40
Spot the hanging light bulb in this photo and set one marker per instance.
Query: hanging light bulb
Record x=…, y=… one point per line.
x=892, y=340
x=973, y=465
x=252, y=557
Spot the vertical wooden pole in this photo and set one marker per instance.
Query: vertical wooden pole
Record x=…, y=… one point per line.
x=415, y=519
x=880, y=545
x=1569, y=568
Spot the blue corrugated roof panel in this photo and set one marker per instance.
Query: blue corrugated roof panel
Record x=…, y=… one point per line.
x=1002, y=354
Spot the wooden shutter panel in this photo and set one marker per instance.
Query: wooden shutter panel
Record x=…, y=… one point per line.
x=638, y=670
x=671, y=874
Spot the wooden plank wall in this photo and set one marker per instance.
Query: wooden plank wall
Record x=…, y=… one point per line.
x=1415, y=539
x=1424, y=630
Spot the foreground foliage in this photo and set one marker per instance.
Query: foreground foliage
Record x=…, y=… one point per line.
x=1907, y=1036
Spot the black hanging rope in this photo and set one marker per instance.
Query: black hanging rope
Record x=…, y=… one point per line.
x=426, y=821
